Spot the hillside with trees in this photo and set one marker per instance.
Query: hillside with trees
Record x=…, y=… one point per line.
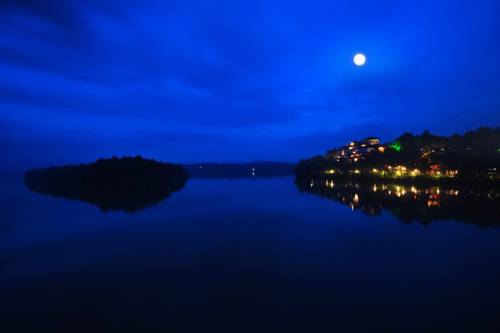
x=473, y=155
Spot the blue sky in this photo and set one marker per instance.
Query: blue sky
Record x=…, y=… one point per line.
x=189, y=81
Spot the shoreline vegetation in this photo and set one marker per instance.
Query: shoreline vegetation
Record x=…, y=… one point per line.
x=128, y=183
x=471, y=158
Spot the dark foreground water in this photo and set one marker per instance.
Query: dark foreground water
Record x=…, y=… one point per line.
x=251, y=255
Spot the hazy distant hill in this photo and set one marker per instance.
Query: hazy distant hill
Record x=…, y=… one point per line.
x=240, y=170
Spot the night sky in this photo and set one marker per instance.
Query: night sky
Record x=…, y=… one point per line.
x=187, y=81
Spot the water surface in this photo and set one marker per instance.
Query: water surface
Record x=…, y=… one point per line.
x=242, y=255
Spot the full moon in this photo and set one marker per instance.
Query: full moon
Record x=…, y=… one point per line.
x=359, y=59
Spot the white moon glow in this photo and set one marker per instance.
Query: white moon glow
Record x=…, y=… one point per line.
x=359, y=59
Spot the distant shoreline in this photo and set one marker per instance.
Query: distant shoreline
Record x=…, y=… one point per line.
x=240, y=170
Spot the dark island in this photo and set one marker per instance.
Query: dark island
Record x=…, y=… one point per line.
x=128, y=183
x=471, y=157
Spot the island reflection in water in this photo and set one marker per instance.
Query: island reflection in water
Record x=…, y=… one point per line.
x=127, y=199
x=413, y=203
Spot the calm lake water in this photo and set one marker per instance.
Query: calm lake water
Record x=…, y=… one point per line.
x=254, y=255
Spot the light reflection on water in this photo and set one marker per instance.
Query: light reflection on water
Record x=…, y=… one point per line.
x=413, y=203
x=242, y=253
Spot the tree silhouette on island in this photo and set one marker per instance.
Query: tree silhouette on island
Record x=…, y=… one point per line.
x=129, y=183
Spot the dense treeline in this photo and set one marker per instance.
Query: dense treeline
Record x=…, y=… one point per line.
x=475, y=153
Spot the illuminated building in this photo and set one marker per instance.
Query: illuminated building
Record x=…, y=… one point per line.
x=356, y=150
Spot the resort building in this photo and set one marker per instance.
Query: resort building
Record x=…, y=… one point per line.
x=356, y=150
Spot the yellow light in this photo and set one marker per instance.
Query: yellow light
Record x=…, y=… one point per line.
x=431, y=203
x=330, y=184
x=375, y=170
x=357, y=171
